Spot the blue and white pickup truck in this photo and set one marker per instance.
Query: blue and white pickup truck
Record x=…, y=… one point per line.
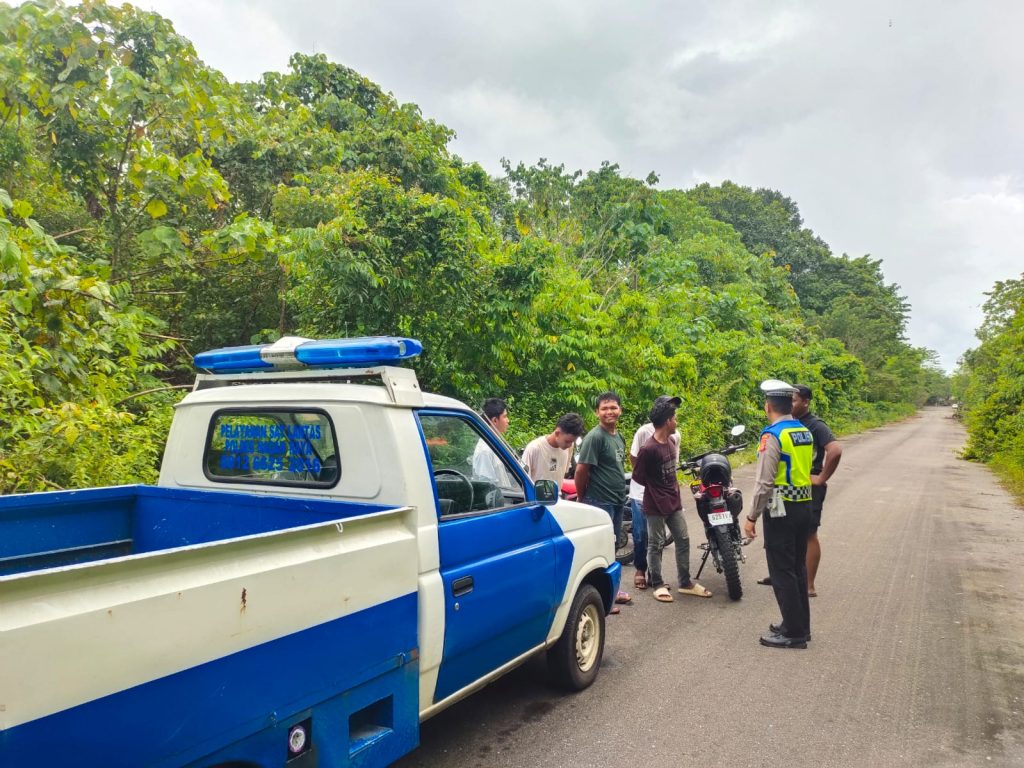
x=318, y=570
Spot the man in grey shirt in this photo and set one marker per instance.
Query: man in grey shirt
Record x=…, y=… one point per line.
x=548, y=456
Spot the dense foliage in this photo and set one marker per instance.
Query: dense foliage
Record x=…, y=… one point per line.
x=152, y=210
x=990, y=384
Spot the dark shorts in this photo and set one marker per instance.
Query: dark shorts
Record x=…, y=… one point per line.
x=817, y=502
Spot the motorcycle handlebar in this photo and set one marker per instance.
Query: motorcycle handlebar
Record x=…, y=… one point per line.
x=734, y=448
x=694, y=461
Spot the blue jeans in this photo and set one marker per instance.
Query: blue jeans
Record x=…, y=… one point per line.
x=614, y=512
x=639, y=535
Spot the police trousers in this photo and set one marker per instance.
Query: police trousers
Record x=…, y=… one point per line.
x=785, y=544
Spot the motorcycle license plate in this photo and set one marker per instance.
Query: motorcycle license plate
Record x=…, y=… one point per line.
x=719, y=518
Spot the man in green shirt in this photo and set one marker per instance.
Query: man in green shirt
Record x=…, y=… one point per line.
x=600, y=471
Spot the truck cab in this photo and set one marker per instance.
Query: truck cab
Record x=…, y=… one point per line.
x=368, y=552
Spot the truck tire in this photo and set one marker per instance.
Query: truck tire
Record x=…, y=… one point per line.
x=727, y=557
x=574, y=661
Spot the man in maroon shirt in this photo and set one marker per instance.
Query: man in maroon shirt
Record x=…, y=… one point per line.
x=655, y=469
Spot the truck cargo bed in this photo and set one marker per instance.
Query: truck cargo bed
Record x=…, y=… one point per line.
x=202, y=626
x=54, y=529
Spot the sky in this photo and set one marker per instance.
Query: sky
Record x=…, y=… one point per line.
x=897, y=127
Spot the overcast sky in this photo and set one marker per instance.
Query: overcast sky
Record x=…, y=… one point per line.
x=897, y=127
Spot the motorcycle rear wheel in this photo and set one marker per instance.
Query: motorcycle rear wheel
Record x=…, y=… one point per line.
x=730, y=565
x=625, y=548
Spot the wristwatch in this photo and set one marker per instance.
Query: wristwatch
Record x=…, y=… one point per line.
x=751, y=519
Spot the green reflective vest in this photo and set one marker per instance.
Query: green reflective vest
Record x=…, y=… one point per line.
x=793, y=477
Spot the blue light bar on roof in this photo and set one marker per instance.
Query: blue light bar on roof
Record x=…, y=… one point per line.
x=293, y=352
x=232, y=359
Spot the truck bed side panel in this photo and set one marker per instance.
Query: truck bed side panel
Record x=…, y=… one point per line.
x=181, y=717
x=169, y=652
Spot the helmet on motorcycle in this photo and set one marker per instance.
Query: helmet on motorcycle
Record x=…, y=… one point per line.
x=715, y=468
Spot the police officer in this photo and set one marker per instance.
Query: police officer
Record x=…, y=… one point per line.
x=783, y=494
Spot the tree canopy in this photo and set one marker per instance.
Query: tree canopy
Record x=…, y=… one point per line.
x=990, y=384
x=152, y=209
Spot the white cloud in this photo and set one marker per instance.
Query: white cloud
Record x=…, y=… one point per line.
x=491, y=116
x=242, y=41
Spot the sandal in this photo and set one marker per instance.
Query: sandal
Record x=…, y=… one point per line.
x=615, y=609
x=640, y=580
x=662, y=595
x=695, y=589
x=623, y=597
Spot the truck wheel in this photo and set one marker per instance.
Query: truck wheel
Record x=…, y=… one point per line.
x=574, y=661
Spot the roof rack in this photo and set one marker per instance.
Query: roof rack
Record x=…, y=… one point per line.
x=402, y=386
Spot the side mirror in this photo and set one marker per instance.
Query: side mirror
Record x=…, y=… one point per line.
x=547, y=492
x=738, y=430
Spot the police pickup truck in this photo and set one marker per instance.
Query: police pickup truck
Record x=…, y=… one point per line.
x=318, y=570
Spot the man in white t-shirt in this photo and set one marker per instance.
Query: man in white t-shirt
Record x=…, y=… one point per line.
x=486, y=463
x=548, y=456
x=636, y=496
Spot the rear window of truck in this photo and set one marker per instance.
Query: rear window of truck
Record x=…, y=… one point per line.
x=292, y=447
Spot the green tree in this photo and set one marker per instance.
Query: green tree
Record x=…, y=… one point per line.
x=78, y=368
x=990, y=383
x=125, y=109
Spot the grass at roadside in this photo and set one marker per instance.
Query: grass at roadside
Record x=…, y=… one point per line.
x=871, y=416
x=1011, y=472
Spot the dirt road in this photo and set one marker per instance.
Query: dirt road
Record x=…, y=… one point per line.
x=917, y=657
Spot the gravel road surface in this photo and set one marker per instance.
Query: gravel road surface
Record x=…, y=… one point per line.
x=917, y=657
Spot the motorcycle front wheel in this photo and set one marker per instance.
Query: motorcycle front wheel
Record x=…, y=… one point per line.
x=730, y=565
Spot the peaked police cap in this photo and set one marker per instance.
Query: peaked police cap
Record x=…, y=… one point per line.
x=777, y=388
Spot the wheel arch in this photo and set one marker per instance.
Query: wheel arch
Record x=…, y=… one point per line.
x=598, y=579
x=596, y=572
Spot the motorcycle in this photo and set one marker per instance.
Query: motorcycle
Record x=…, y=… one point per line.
x=719, y=505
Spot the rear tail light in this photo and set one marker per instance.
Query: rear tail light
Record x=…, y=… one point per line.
x=715, y=491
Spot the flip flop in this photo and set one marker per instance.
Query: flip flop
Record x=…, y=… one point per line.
x=695, y=590
x=767, y=581
x=812, y=593
x=615, y=609
x=640, y=580
x=623, y=597
x=662, y=595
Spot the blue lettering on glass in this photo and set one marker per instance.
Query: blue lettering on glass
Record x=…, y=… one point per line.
x=268, y=447
x=300, y=464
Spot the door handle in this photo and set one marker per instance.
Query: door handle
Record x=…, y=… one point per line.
x=462, y=586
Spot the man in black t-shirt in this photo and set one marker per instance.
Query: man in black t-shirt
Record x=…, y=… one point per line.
x=827, y=452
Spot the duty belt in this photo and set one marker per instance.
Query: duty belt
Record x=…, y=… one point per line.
x=795, y=492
